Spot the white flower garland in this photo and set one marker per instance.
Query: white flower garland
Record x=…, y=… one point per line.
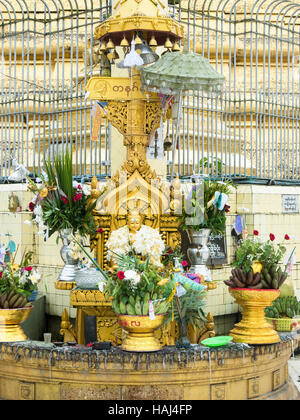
x=147, y=242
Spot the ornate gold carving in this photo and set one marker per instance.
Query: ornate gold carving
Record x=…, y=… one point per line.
x=218, y=392
x=26, y=391
x=66, y=328
x=276, y=379
x=64, y=285
x=253, y=387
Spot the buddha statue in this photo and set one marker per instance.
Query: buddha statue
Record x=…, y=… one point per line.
x=144, y=240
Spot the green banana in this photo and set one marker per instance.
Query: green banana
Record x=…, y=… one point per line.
x=145, y=307
x=122, y=308
x=12, y=300
x=130, y=309
x=138, y=308
x=18, y=302
x=131, y=300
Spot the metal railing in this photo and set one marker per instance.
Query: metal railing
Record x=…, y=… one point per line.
x=47, y=53
x=250, y=132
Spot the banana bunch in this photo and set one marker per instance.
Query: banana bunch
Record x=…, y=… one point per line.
x=239, y=279
x=13, y=300
x=138, y=306
x=283, y=307
x=272, y=277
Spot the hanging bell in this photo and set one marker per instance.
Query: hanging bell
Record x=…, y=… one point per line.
x=176, y=47
x=153, y=42
x=138, y=41
x=147, y=54
x=167, y=144
x=113, y=55
x=110, y=45
x=168, y=43
x=124, y=42
x=102, y=47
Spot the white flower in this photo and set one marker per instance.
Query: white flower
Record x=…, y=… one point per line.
x=23, y=279
x=38, y=211
x=27, y=222
x=133, y=276
x=75, y=184
x=86, y=189
x=101, y=286
x=35, y=277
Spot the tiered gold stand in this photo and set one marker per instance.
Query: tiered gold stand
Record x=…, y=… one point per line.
x=253, y=328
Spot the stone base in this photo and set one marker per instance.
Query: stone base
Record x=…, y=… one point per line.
x=34, y=371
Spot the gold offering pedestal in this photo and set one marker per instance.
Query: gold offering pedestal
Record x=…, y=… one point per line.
x=10, y=319
x=254, y=328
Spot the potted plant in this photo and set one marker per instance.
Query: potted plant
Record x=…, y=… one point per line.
x=62, y=205
x=204, y=212
x=137, y=289
x=254, y=283
x=187, y=311
x=284, y=314
x=17, y=282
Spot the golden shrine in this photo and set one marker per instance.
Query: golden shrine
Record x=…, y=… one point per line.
x=137, y=115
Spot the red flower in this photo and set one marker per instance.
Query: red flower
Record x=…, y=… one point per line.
x=78, y=196
x=99, y=230
x=255, y=232
x=31, y=206
x=28, y=268
x=272, y=237
x=1, y=274
x=227, y=208
x=286, y=236
x=184, y=263
x=79, y=187
x=65, y=199
x=121, y=275
x=89, y=345
x=74, y=199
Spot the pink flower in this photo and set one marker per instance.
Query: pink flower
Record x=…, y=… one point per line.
x=78, y=196
x=272, y=237
x=79, y=187
x=65, y=199
x=99, y=230
x=184, y=263
x=286, y=236
x=255, y=232
x=28, y=268
x=89, y=345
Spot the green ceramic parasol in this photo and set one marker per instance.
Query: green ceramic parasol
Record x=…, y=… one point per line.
x=177, y=72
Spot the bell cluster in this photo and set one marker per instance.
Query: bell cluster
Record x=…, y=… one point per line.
x=146, y=50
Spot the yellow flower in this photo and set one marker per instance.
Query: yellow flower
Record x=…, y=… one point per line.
x=44, y=192
x=163, y=281
x=14, y=267
x=256, y=267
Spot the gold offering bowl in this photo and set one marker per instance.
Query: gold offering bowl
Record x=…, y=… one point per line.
x=254, y=328
x=140, y=330
x=10, y=330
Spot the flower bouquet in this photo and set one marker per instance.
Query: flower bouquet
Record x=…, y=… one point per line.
x=17, y=282
x=205, y=206
x=60, y=203
x=254, y=284
x=258, y=264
